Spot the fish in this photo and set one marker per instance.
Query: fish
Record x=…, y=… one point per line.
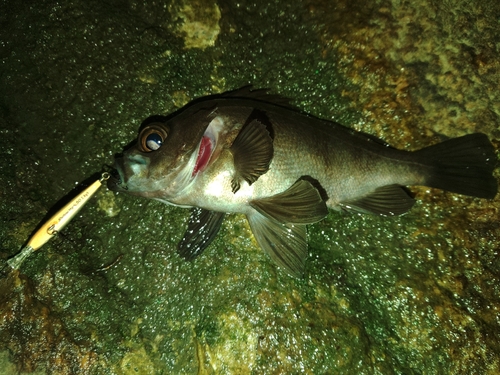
x=251, y=152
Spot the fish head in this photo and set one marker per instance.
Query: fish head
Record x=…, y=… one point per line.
x=167, y=155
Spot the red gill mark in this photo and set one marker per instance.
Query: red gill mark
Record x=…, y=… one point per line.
x=203, y=155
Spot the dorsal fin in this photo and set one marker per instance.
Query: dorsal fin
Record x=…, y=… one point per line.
x=263, y=95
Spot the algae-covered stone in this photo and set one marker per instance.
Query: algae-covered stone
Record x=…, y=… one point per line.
x=410, y=295
x=199, y=22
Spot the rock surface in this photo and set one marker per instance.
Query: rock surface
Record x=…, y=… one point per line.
x=410, y=295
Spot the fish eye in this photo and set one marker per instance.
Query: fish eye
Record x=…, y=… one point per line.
x=152, y=137
x=153, y=141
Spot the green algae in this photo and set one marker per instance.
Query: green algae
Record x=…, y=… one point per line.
x=414, y=294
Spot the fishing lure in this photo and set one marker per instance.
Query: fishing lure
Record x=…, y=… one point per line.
x=57, y=222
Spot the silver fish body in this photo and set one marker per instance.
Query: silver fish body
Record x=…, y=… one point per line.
x=240, y=152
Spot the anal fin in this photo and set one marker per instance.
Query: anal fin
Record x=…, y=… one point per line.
x=387, y=200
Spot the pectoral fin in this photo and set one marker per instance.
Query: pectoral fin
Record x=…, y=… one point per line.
x=285, y=243
x=299, y=204
x=202, y=228
x=252, y=152
x=387, y=200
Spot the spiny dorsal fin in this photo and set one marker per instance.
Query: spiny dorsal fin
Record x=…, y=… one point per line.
x=263, y=95
x=387, y=200
x=252, y=152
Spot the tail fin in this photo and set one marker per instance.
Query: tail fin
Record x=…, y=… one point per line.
x=462, y=165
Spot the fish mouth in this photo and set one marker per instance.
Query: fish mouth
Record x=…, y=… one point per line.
x=116, y=181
